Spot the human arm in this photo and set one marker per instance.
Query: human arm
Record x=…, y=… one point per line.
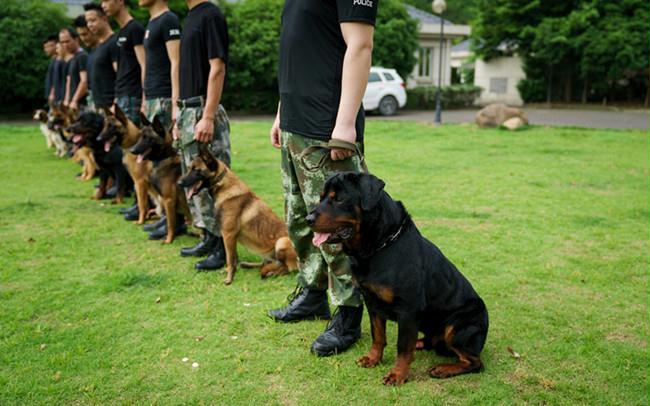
x=204, y=130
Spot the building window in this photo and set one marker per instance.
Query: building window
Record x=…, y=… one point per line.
x=424, y=69
x=499, y=85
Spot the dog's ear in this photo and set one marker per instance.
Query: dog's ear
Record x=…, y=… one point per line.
x=207, y=157
x=119, y=114
x=158, y=127
x=144, y=121
x=371, y=188
x=106, y=112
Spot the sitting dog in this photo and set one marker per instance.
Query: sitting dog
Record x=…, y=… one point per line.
x=40, y=115
x=57, y=119
x=119, y=130
x=84, y=155
x=155, y=148
x=244, y=217
x=85, y=131
x=402, y=276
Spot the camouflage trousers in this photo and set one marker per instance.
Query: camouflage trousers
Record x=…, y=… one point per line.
x=302, y=181
x=161, y=107
x=202, y=205
x=131, y=107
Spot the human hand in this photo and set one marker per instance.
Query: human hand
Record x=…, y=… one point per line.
x=73, y=105
x=175, y=132
x=343, y=133
x=204, y=130
x=275, y=132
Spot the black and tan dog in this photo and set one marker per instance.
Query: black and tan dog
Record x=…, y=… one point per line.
x=402, y=276
x=119, y=130
x=84, y=132
x=243, y=216
x=59, y=118
x=155, y=148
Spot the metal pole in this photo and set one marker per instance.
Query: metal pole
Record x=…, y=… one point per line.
x=438, y=119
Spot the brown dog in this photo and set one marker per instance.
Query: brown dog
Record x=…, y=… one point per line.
x=244, y=217
x=85, y=156
x=118, y=129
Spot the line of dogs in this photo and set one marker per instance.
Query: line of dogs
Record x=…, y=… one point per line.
x=402, y=276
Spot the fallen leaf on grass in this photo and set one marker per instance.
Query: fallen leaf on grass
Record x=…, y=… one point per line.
x=195, y=364
x=185, y=359
x=199, y=338
x=157, y=300
x=57, y=376
x=43, y=346
x=546, y=383
x=31, y=240
x=514, y=353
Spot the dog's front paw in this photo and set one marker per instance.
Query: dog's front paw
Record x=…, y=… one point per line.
x=368, y=361
x=395, y=377
x=227, y=281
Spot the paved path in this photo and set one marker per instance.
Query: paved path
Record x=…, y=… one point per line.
x=624, y=119
x=617, y=119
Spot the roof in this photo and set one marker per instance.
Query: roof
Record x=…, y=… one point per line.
x=465, y=46
x=424, y=17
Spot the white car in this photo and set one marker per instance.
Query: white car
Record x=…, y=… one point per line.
x=385, y=92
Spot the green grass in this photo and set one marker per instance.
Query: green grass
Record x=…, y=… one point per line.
x=550, y=226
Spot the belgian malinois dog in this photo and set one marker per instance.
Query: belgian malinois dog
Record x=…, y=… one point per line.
x=244, y=217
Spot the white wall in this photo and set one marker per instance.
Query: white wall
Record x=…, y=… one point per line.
x=508, y=68
x=416, y=80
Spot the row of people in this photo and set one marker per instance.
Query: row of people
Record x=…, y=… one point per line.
x=178, y=74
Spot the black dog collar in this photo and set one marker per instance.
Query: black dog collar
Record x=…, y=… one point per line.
x=391, y=238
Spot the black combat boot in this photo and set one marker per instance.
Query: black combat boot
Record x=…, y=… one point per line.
x=216, y=259
x=161, y=232
x=130, y=209
x=203, y=248
x=343, y=331
x=304, y=304
x=153, y=226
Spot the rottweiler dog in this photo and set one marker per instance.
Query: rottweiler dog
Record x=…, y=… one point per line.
x=402, y=276
x=244, y=217
x=85, y=131
x=155, y=148
x=119, y=130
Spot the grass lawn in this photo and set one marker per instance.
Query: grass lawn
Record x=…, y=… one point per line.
x=549, y=225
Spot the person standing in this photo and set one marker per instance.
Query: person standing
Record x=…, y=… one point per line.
x=130, y=61
x=325, y=57
x=104, y=60
x=201, y=118
x=59, y=74
x=76, y=77
x=49, y=49
x=90, y=42
x=162, y=54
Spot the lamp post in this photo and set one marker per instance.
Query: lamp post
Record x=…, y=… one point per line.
x=439, y=7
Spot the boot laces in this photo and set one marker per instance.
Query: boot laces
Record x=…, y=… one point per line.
x=293, y=295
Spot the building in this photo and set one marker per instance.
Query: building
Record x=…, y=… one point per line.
x=75, y=7
x=427, y=69
x=498, y=77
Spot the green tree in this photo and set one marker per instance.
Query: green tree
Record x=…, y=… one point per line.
x=179, y=7
x=396, y=38
x=23, y=26
x=458, y=11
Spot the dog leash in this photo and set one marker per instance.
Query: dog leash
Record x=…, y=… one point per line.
x=331, y=144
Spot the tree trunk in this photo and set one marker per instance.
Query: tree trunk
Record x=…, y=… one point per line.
x=568, y=88
x=585, y=91
x=549, y=86
x=647, y=96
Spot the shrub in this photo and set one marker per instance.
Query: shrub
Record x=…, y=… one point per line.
x=454, y=96
x=23, y=26
x=532, y=90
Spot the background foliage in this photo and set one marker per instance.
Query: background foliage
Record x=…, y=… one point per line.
x=577, y=50
x=24, y=24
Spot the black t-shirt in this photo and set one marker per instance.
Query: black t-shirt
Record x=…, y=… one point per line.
x=157, y=81
x=49, y=78
x=311, y=63
x=58, y=80
x=128, y=81
x=89, y=67
x=103, y=75
x=76, y=65
x=204, y=37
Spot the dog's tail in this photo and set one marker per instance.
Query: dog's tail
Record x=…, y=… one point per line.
x=251, y=265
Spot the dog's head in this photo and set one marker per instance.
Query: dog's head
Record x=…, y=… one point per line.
x=114, y=129
x=203, y=172
x=86, y=127
x=345, y=202
x=40, y=115
x=152, y=139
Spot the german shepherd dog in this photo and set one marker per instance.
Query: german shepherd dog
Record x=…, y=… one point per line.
x=244, y=217
x=402, y=277
x=155, y=146
x=119, y=130
x=40, y=115
x=59, y=118
x=85, y=132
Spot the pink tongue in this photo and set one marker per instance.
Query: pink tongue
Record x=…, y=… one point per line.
x=76, y=138
x=140, y=158
x=107, y=146
x=320, y=238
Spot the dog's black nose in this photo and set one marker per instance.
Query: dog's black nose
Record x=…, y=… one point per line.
x=310, y=219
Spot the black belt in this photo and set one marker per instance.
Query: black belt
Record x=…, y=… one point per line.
x=196, y=101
